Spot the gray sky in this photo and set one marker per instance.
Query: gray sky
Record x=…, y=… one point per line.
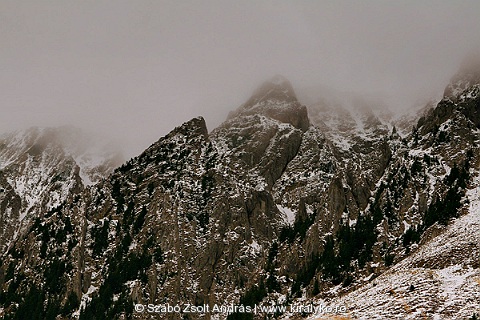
x=136, y=69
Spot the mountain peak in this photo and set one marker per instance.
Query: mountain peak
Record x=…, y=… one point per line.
x=279, y=80
x=275, y=99
x=278, y=88
x=192, y=128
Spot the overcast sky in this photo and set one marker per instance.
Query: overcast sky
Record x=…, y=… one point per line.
x=136, y=69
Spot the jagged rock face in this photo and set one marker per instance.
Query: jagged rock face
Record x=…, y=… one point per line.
x=469, y=103
x=359, y=141
x=10, y=206
x=204, y=227
x=259, y=145
x=270, y=207
x=308, y=175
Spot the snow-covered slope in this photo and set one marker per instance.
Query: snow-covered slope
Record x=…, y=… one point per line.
x=42, y=167
x=350, y=120
x=95, y=157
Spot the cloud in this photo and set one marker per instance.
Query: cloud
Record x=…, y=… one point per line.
x=135, y=70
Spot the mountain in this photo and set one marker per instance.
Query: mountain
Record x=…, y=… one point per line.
x=282, y=205
x=41, y=167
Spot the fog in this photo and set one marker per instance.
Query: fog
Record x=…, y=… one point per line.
x=134, y=70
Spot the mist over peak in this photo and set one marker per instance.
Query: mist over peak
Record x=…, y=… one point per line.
x=467, y=76
x=278, y=88
x=471, y=62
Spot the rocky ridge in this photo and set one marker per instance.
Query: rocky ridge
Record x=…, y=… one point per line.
x=270, y=208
